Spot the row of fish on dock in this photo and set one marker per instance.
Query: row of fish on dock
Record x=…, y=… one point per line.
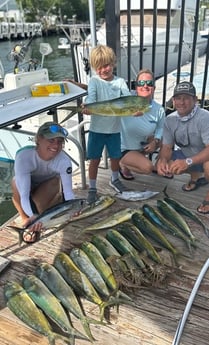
x=103, y=269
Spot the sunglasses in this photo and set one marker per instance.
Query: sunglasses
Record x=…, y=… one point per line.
x=143, y=82
x=182, y=139
x=57, y=129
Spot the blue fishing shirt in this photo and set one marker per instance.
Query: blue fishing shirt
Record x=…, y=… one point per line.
x=102, y=90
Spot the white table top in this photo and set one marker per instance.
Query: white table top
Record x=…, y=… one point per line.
x=21, y=109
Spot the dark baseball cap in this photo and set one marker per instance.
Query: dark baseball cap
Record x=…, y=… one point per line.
x=50, y=130
x=185, y=87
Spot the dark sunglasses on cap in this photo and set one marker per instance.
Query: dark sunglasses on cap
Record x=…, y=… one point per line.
x=143, y=82
x=57, y=129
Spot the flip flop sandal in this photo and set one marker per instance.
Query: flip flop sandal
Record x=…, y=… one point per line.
x=126, y=177
x=204, y=203
x=196, y=184
x=169, y=176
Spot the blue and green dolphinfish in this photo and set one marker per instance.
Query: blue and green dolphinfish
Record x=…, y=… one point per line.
x=122, y=106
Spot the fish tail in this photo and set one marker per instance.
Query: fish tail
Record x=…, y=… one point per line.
x=123, y=297
x=86, y=327
x=73, y=110
x=193, y=242
x=206, y=231
x=165, y=191
x=189, y=245
x=103, y=306
x=20, y=232
x=66, y=340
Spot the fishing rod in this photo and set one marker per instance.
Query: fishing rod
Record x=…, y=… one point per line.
x=192, y=296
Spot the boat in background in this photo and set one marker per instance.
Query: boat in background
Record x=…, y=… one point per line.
x=64, y=43
x=173, y=47
x=33, y=72
x=205, y=33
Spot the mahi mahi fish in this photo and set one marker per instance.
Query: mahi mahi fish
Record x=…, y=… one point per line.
x=54, y=216
x=102, y=203
x=115, y=219
x=26, y=310
x=121, y=106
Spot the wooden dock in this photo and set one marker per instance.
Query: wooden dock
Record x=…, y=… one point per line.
x=153, y=317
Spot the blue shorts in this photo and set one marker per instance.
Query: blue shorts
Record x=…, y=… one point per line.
x=97, y=142
x=178, y=154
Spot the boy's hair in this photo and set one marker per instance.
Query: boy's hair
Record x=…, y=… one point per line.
x=145, y=70
x=102, y=55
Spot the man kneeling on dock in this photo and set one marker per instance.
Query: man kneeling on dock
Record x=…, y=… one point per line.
x=185, y=144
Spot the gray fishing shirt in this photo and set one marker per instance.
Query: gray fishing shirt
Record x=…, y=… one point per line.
x=31, y=170
x=190, y=133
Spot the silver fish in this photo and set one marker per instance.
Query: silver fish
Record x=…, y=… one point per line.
x=136, y=195
x=54, y=216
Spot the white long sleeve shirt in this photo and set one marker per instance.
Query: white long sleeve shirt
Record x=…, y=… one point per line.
x=31, y=170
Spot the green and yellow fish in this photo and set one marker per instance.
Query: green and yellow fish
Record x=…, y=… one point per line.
x=122, y=106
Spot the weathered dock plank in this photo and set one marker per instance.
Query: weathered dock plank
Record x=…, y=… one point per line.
x=153, y=317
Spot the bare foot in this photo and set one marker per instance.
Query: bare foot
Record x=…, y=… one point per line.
x=204, y=207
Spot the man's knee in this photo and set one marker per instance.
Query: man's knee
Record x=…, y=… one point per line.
x=206, y=170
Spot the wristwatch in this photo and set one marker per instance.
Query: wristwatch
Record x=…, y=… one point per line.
x=157, y=141
x=189, y=161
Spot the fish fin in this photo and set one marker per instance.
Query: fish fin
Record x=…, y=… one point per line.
x=73, y=110
x=165, y=191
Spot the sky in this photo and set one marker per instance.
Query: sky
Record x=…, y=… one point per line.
x=10, y=4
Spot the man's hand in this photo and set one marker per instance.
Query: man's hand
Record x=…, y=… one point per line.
x=163, y=167
x=85, y=110
x=138, y=113
x=178, y=166
x=33, y=231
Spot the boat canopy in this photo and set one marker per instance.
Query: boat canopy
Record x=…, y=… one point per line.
x=11, y=141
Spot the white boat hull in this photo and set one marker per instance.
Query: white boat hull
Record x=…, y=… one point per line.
x=159, y=59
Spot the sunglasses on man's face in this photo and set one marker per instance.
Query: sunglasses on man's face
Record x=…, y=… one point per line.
x=57, y=129
x=143, y=82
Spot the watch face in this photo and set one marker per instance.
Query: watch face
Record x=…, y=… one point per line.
x=189, y=161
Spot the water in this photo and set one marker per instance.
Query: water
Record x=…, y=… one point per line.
x=58, y=63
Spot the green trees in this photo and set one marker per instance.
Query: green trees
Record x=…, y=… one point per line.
x=36, y=9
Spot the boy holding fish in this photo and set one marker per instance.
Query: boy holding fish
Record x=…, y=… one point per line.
x=104, y=130
x=43, y=176
x=187, y=131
